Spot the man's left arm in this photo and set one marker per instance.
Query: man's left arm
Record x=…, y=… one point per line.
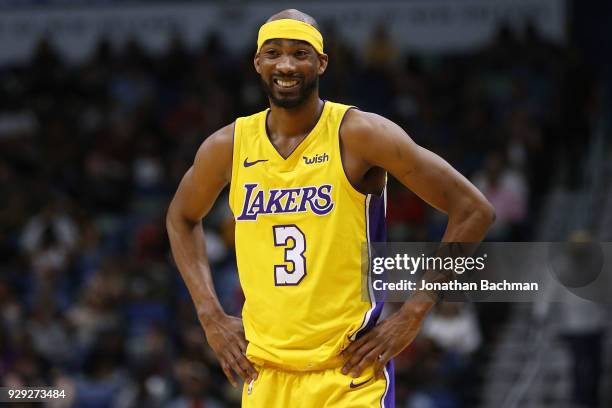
x=430, y=177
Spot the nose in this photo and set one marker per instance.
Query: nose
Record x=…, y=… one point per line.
x=285, y=64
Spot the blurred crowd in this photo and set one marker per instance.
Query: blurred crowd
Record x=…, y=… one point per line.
x=91, y=153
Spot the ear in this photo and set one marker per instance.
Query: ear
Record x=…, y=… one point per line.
x=256, y=63
x=323, y=60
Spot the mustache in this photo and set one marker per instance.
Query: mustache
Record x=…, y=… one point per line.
x=288, y=77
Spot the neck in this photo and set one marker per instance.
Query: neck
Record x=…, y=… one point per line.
x=295, y=122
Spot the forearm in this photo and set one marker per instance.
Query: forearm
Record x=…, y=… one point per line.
x=189, y=251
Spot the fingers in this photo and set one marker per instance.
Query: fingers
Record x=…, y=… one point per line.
x=361, y=357
x=368, y=360
x=252, y=373
x=356, y=344
x=380, y=363
x=244, y=368
x=240, y=338
x=242, y=344
x=241, y=366
x=227, y=339
x=235, y=360
x=228, y=373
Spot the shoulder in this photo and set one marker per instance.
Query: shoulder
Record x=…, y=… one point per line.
x=371, y=136
x=361, y=126
x=216, y=151
x=222, y=139
x=356, y=121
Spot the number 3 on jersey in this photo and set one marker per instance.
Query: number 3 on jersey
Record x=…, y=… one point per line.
x=284, y=276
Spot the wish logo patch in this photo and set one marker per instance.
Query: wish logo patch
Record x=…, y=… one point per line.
x=317, y=158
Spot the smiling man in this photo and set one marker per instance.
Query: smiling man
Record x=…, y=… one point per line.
x=307, y=188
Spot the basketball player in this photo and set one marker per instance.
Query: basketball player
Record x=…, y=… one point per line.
x=307, y=180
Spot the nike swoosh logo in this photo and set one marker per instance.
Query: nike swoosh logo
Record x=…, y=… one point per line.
x=355, y=385
x=249, y=164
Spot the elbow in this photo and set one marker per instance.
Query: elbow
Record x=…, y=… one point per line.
x=177, y=221
x=471, y=219
x=170, y=217
x=485, y=212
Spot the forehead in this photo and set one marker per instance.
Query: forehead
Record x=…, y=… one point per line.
x=285, y=41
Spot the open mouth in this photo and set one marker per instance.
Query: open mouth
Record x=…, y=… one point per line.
x=286, y=83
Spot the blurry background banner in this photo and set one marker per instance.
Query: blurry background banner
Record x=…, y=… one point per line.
x=419, y=25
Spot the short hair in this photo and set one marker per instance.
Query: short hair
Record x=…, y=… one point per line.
x=294, y=14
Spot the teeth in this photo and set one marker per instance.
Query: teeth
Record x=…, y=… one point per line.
x=285, y=84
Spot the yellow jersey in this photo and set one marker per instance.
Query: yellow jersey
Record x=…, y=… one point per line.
x=300, y=229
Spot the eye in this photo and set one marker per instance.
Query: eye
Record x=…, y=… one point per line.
x=301, y=53
x=271, y=52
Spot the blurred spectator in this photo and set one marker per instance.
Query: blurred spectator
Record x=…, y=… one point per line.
x=454, y=332
x=194, y=381
x=147, y=389
x=103, y=379
x=92, y=315
x=380, y=52
x=453, y=327
x=51, y=234
x=506, y=189
x=581, y=321
x=49, y=335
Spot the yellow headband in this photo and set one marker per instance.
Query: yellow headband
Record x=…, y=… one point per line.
x=292, y=30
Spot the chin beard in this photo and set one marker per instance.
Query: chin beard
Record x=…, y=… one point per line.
x=305, y=91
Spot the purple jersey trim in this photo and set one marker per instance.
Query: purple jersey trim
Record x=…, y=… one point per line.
x=388, y=398
x=376, y=232
x=376, y=215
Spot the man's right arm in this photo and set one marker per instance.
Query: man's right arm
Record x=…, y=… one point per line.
x=195, y=196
